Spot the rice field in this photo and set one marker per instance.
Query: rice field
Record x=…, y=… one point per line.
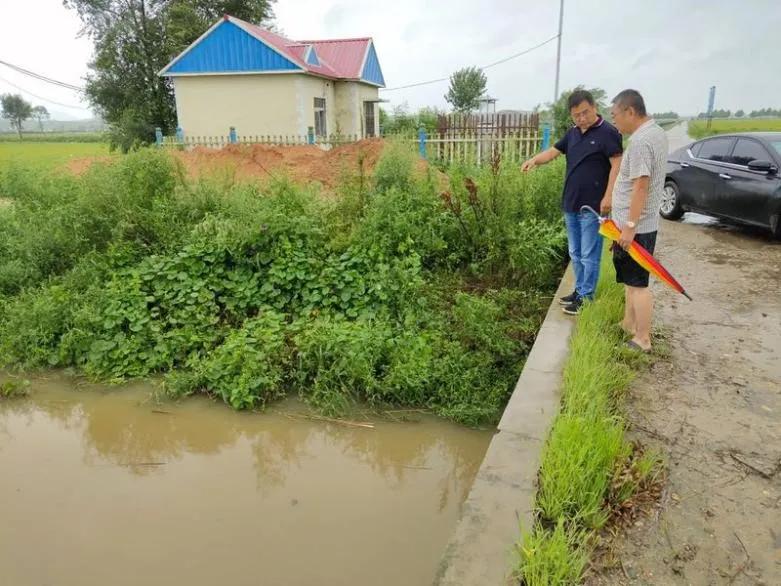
x=698, y=128
x=48, y=154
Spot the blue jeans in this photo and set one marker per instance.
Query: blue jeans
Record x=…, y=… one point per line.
x=585, y=250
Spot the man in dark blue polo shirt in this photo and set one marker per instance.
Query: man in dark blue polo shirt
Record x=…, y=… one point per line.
x=593, y=149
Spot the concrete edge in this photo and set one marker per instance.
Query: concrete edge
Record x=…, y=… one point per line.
x=502, y=496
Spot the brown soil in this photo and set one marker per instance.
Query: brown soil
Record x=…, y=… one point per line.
x=713, y=409
x=301, y=163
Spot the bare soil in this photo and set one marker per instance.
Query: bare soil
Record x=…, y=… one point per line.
x=714, y=410
x=259, y=162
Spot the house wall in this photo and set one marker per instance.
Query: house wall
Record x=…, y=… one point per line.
x=350, y=96
x=262, y=104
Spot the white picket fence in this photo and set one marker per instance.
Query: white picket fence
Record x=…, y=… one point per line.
x=478, y=149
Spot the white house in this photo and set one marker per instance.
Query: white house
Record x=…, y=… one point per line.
x=241, y=75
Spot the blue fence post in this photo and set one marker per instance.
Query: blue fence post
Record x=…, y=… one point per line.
x=545, y=135
x=422, y=142
x=310, y=135
x=232, y=135
x=179, y=134
x=159, y=136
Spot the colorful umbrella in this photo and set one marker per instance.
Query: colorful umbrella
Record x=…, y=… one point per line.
x=609, y=229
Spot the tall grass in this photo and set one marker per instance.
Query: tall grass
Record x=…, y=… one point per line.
x=583, y=472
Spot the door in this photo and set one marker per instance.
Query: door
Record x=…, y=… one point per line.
x=712, y=157
x=368, y=117
x=744, y=194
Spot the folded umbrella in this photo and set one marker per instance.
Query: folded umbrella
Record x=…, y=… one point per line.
x=610, y=230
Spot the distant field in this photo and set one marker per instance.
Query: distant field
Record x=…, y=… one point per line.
x=54, y=137
x=48, y=154
x=698, y=128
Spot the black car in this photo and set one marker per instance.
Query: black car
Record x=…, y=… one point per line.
x=731, y=176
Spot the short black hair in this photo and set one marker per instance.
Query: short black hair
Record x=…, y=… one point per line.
x=577, y=97
x=631, y=99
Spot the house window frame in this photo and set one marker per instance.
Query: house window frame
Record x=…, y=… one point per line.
x=321, y=123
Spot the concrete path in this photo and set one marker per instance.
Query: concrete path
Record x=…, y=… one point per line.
x=714, y=410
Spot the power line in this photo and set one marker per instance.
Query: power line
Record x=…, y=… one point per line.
x=21, y=89
x=483, y=68
x=40, y=77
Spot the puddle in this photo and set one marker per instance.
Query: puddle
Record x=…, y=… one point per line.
x=106, y=487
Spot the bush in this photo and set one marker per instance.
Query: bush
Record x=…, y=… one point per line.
x=385, y=296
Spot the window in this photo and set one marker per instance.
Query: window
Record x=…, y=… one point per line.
x=368, y=111
x=748, y=150
x=320, y=127
x=777, y=146
x=716, y=149
x=695, y=149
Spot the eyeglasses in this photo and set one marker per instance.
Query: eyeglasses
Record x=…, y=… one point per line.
x=579, y=115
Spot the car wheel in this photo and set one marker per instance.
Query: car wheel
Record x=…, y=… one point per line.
x=671, y=202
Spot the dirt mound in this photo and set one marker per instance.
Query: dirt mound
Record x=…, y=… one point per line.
x=302, y=163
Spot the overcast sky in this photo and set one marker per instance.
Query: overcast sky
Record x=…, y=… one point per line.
x=670, y=50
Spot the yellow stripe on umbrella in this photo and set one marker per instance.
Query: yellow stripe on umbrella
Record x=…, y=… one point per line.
x=641, y=256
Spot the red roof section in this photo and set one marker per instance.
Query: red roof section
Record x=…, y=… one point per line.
x=339, y=58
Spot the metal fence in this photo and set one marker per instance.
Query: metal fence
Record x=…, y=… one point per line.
x=458, y=139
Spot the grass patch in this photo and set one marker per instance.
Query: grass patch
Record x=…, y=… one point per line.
x=47, y=155
x=699, y=128
x=14, y=388
x=589, y=471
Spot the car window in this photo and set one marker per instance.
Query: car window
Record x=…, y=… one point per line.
x=716, y=149
x=695, y=149
x=777, y=145
x=747, y=150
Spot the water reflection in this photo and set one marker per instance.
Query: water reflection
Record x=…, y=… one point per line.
x=311, y=477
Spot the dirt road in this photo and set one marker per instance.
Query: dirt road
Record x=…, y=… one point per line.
x=714, y=409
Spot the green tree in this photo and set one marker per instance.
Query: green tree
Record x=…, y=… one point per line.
x=740, y=114
x=665, y=115
x=133, y=40
x=467, y=86
x=15, y=109
x=558, y=114
x=40, y=113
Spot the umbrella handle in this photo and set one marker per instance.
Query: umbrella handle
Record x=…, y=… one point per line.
x=593, y=211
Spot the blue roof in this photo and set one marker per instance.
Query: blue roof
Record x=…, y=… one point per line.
x=371, y=70
x=228, y=48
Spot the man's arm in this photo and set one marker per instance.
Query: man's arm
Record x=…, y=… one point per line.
x=636, y=205
x=545, y=156
x=607, y=201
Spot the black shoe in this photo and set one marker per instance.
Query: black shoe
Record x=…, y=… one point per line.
x=569, y=299
x=574, y=307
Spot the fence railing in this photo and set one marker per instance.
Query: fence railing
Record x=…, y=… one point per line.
x=217, y=142
x=457, y=145
x=479, y=148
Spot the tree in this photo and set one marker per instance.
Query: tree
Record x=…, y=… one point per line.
x=40, y=113
x=558, y=113
x=133, y=40
x=15, y=109
x=467, y=86
x=740, y=114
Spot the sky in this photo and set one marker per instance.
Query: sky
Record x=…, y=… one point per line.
x=672, y=51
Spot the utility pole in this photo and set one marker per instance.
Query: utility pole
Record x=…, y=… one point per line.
x=558, y=52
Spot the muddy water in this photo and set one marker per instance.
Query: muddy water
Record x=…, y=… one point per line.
x=107, y=487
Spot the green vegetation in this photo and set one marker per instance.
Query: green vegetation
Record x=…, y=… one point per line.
x=394, y=293
x=14, y=388
x=47, y=155
x=589, y=469
x=79, y=137
x=698, y=128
